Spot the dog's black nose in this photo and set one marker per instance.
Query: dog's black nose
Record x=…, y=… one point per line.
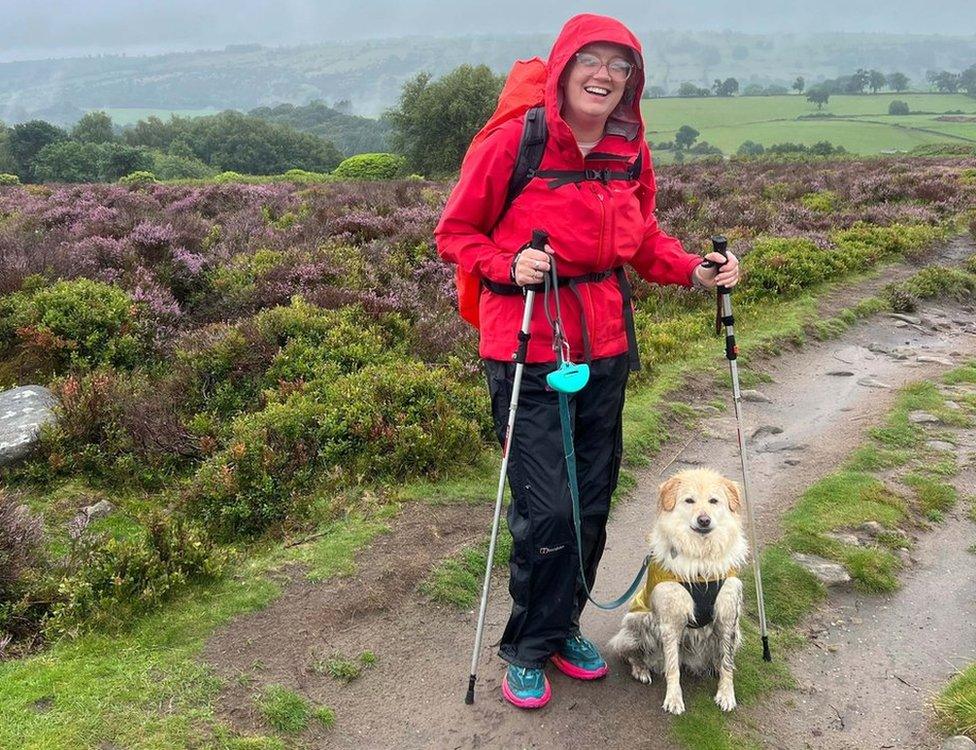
x=704, y=521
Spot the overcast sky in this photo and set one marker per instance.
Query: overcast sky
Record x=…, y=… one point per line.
x=33, y=29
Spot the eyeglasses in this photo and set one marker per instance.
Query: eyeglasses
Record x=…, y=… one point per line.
x=619, y=70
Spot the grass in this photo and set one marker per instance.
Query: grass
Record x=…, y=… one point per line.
x=145, y=686
x=343, y=669
x=931, y=495
x=956, y=704
x=860, y=123
x=286, y=711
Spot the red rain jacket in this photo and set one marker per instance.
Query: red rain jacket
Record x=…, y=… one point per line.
x=592, y=226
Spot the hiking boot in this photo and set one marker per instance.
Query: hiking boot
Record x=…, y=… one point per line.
x=526, y=687
x=579, y=658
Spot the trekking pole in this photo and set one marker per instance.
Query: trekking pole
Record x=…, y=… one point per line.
x=539, y=240
x=724, y=317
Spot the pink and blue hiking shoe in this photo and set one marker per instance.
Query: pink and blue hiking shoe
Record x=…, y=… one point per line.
x=526, y=687
x=579, y=658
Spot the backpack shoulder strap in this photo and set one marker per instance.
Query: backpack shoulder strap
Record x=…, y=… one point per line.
x=532, y=146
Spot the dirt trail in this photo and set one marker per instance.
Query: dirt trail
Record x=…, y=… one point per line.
x=412, y=698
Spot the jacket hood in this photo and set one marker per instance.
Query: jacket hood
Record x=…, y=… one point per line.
x=578, y=31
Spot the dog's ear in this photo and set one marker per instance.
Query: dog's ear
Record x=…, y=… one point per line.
x=668, y=493
x=735, y=498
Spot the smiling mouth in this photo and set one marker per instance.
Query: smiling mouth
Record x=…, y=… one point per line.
x=701, y=530
x=597, y=91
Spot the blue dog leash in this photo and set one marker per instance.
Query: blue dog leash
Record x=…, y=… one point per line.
x=570, y=378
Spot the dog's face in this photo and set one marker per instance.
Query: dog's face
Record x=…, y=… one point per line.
x=700, y=507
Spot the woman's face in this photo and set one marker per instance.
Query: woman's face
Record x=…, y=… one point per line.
x=592, y=94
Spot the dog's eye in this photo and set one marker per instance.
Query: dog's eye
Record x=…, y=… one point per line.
x=713, y=500
x=689, y=499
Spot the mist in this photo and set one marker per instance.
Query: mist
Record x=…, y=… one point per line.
x=69, y=28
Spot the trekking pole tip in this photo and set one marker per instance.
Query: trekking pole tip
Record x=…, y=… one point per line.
x=469, y=698
x=767, y=656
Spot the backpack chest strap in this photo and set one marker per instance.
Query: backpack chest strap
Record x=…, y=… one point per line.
x=556, y=178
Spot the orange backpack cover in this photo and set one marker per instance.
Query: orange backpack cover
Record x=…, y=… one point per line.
x=524, y=88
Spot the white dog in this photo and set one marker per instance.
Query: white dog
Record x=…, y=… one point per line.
x=687, y=614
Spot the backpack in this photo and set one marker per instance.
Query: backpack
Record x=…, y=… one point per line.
x=523, y=92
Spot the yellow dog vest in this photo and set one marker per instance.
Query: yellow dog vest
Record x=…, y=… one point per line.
x=703, y=592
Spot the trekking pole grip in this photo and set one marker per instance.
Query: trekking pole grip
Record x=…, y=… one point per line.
x=720, y=245
x=539, y=239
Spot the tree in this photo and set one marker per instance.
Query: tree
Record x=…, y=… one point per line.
x=856, y=83
x=434, y=121
x=26, y=142
x=690, y=89
x=685, y=136
x=799, y=84
x=728, y=87
x=897, y=81
x=898, y=107
x=944, y=81
x=818, y=97
x=7, y=163
x=967, y=80
x=68, y=161
x=654, y=92
x=876, y=81
x=94, y=127
x=118, y=160
x=750, y=148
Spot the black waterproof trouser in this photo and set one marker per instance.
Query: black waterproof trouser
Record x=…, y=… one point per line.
x=544, y=571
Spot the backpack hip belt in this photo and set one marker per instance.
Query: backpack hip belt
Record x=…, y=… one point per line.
x=573, y=283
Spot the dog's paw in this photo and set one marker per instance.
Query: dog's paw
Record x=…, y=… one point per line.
x=674, y=703
x=725, y=699
x=640, y=673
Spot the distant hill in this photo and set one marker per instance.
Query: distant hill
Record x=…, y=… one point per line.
x=370, y=74
x=350, y=134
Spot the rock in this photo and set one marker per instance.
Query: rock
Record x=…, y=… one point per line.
x=922, y=417
x=959, y=742
x=755, y=397
x=22, y=412
x=827, y=572
x=870, y=382
x=707, y=409
x=933, y=360
x=878, y=348
x=792, y=462
x=872, y=527
x=99, y=510
x=841, y=373
x=778, y=446
x=952, y=405
x=906, y=318
x=844, y=538
x=902, y=352
x=940, y=445
x=764, y=430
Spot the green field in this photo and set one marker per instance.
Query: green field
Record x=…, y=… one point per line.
x=861, y=123
x=131, y=115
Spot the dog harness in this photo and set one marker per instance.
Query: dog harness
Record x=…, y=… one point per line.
x=704, y=592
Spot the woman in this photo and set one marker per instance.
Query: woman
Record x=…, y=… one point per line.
x=596, y=222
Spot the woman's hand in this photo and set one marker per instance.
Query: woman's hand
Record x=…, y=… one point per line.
x=726, y=274
x=532, y=265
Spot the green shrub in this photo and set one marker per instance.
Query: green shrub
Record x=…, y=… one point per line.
x=21, y=558
x=370, y=167
x=141, y=177
x=898, y=107
x=78, y=323
x=825, y=201
x=874, y=243
x=286, y=711
x=385, y=421
x=229, y=176
x=176, y=167
x=112, y=579
x=8, y=179
x=235, y=280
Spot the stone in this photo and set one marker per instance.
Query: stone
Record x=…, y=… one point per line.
x=906, y=318
x=826, y=571
x=922, y=417
x=99, y=510
x=939, y=445
x=933, y=360
x=959, y=742
x=878, y=348
x=870, y=382
x=844, y=538
x=23, y=410
x=764, y=430
x=841, y=373
x=952, y=405
x=872, y=527
x=755, y=397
